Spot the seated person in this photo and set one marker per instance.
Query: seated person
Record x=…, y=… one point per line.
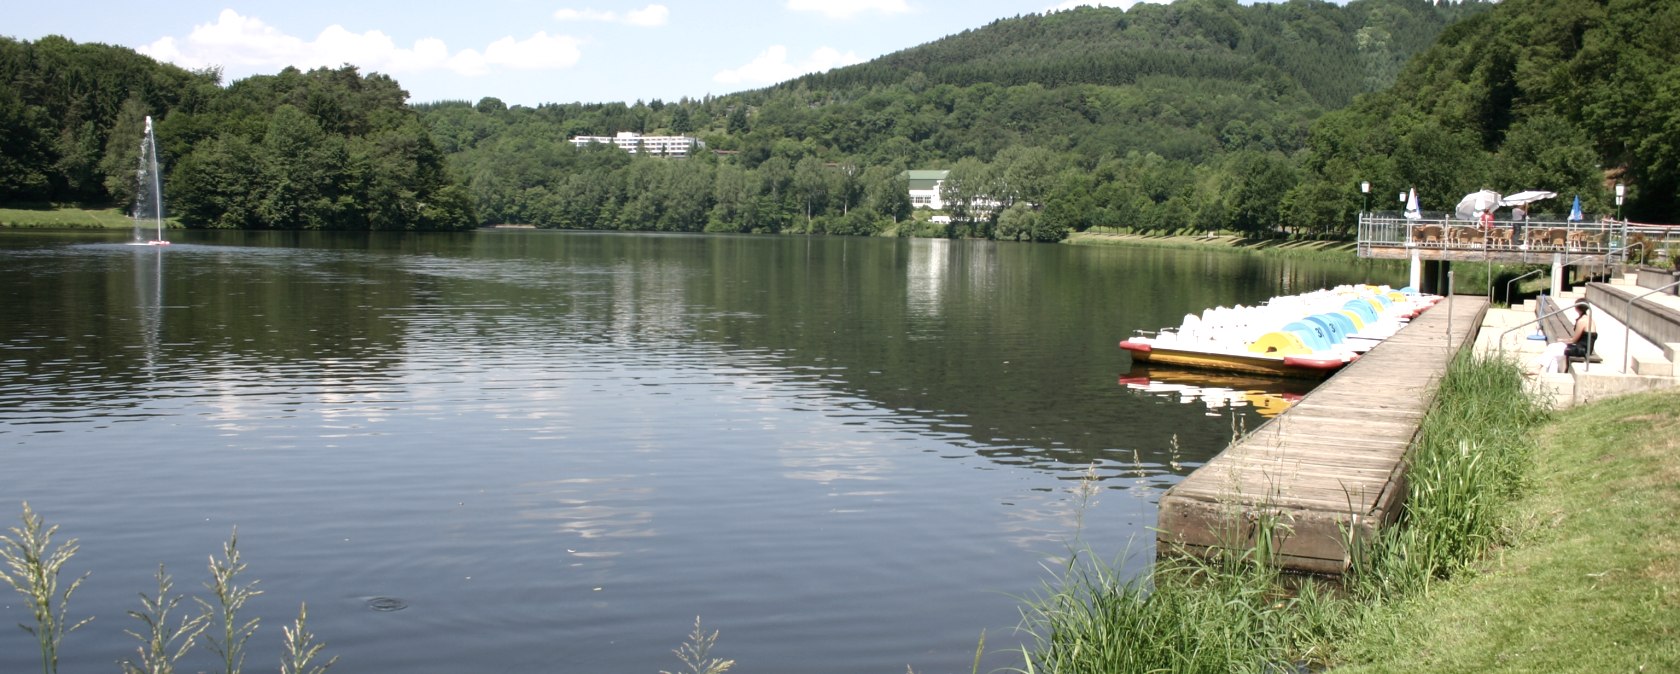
x=1579, y=343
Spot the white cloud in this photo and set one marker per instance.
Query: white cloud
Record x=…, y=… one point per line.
x=649, y=16
x=841, y=9
x=772, y=66
x=1122, y=4
x=247, y=42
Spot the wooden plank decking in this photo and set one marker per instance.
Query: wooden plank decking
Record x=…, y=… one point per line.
x=1333, y=461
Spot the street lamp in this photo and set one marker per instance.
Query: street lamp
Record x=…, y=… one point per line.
x=1365, y=189
x=1621, y=191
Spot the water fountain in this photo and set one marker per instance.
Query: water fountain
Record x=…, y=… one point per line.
x=148, y=198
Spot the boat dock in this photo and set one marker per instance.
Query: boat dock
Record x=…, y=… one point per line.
x=1333, y=462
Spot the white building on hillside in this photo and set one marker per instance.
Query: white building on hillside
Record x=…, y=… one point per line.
x=671, y=147
x=924, y=192
x=924, y=188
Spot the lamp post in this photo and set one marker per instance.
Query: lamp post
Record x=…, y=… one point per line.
x=1621, y=191
x=1365, y=189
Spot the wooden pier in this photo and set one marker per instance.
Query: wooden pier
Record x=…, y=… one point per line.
x=1333, y=462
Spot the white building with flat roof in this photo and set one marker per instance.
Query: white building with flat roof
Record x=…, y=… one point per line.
x=670, y=147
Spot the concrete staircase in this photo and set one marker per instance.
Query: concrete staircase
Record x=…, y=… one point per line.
x=1632, y=361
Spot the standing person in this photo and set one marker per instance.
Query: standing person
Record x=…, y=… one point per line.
x=1519, y=217
x=1487, y=227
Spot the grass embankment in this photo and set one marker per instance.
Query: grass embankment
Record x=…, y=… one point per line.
x=1591, y=581
x=1525, y=545
x=68, y=218
x=1336, y=250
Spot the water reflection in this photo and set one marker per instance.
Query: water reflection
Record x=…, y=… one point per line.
x=925, y=276
x=148, y=292
x=1217, y=393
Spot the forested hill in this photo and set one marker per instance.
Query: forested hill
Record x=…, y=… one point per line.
x=1168, y=115
x=1570, y=96
x=1310, y=46
x=327, y=149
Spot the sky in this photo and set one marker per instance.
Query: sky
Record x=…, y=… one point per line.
x=525, y=52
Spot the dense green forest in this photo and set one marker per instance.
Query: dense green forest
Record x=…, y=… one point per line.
x=1202, y=114
x=1157, y=117
x=328, y=149
x=1563, y=95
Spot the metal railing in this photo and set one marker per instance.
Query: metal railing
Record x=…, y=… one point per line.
x=1536, y=320
x=1444, y=232
x=1519, y=278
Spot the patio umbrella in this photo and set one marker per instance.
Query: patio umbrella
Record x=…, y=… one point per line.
x=1412, y=211
x=1474, y=203
x=1526, y=197
x=1575, y=211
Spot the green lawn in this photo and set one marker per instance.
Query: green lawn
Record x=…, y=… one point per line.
x=69, y=218
x=1592, y=583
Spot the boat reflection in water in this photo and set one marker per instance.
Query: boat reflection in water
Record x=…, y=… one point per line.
x=1268, y=396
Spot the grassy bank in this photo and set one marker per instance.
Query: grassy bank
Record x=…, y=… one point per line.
x=1331, y=250
x=1591, y=579
x=69, y=218
x=1513, y=525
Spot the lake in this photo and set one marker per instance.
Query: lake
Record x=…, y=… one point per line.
x=533, y=451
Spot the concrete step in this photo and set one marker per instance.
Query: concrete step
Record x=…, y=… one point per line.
x=1653, y=366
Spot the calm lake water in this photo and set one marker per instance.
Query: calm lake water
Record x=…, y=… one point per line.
x=551, y=451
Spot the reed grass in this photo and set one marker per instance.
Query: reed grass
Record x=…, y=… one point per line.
x=696, y=653
x=165, y=639
x=301, y=649
x=33, y=565
x=32, y=568
x=231, y=596
x=1470, y=461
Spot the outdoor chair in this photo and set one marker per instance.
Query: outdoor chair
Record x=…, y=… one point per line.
x=1427, y=235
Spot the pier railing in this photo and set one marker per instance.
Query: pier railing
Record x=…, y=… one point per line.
x=1443, y=232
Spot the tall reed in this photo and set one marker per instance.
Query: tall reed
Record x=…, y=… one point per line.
x=164, y=641
x=301, y=649
x=696, y=653
x=231, y=596
x=1469, y=462
x=32, y=568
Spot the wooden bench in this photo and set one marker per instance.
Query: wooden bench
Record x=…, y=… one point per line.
x=1557, y=327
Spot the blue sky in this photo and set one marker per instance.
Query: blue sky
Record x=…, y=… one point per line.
x=525, y=52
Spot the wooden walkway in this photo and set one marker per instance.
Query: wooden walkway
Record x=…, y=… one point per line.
x=1335, y=459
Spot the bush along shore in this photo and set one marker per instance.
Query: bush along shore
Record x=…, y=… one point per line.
x=1472, y=465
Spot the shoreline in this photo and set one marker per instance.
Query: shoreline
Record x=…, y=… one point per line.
x=1326, y=249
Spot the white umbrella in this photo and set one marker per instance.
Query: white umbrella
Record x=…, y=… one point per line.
x=1412, y=211
x=1471, y=206
x=1526, y=197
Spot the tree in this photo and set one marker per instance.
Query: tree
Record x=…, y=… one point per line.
x=681, y=123
x=811, y=182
